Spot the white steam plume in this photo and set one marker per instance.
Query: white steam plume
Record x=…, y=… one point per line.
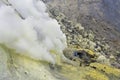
x=28, y=29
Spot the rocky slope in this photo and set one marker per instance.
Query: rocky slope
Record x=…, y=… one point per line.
x=98, y=17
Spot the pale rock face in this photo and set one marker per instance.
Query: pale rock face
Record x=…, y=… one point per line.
x=103, y=59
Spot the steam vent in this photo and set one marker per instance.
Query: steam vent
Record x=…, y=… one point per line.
x=59, y=39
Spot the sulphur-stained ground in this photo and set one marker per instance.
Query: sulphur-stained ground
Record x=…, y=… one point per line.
x=18, y=67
